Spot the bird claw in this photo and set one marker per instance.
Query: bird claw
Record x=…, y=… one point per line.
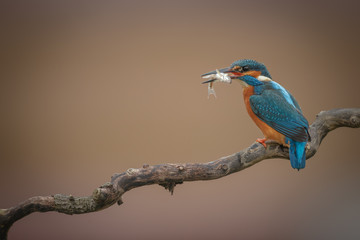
x=262, y=141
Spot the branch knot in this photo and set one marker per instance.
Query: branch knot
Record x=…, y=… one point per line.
x=355, y=121
x=132, y=171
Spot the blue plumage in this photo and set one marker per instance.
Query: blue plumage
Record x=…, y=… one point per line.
x=278, y=108
x=271, y=106
x=253, y=65
x=297, y=154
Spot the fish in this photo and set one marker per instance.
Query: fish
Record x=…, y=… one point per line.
x=218, y=76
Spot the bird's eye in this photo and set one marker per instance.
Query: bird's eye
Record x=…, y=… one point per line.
x=238, y=69
x=245, y=68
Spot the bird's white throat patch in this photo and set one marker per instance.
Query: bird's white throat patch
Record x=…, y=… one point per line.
x=263, y=78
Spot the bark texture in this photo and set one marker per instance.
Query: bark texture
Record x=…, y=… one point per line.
x=169, y=174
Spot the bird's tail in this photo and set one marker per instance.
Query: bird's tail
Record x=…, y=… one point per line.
x=297, y=154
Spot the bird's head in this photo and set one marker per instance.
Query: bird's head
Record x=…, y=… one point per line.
x=241, y=70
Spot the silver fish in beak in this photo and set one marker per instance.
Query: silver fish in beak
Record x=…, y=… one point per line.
x=214, y=76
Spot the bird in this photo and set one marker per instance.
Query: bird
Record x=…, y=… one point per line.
x=273, y=109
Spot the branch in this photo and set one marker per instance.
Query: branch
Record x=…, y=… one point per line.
x=168, y=175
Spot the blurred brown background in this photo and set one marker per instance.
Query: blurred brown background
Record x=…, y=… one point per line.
x=91, y=88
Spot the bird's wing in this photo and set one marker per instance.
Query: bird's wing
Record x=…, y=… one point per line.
x=295, y=103
x=272, y=108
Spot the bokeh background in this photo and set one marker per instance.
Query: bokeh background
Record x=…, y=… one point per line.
x=91, y=88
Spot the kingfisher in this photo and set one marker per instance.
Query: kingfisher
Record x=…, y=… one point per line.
x=273, y=109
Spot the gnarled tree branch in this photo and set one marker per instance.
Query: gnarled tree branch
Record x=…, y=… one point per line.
x=168, y=175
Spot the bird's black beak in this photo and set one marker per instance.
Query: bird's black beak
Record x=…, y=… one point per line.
x=223, y=70
x=208, y=81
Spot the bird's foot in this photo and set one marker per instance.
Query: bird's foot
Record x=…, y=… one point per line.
x=262, y=141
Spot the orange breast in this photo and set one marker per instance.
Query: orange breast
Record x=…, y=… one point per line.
x=269, y=132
